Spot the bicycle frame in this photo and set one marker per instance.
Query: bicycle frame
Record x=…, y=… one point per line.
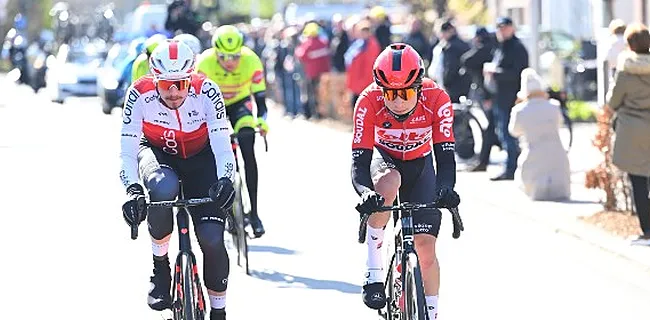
x=188, y=300
x=410, y=283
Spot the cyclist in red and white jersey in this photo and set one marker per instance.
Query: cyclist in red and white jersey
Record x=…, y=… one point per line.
x=175, y=127
x=398, y=121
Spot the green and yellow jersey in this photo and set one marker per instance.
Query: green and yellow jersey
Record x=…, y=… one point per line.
x=247, y=79
x=140, y=67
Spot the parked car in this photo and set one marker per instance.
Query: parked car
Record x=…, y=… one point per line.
x=111, y=83
x=73, y=72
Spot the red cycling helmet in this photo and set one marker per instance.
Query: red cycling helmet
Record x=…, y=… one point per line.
x=398, y=66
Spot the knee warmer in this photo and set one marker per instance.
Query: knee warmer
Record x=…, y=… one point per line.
x=162, y=186
x=216, y=265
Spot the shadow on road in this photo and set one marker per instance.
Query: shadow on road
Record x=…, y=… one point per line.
x=271, y=249
x=289, y=281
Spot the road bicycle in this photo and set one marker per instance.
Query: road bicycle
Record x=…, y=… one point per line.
x=188, y=302
x=238, y=217
x=404, y=286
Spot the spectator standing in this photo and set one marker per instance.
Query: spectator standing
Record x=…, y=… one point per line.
x=339, y=44
x=381, y=25
x=455, y=80
x=417, y=40
x=181, y=19
x=481, y=52
x=359, y=59
x=503, y=80
x=629, y=98
x=616, y=45
x=314, y=55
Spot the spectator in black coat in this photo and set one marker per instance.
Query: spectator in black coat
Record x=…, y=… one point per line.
x=181, y=19
x=381, y=25
x=503, y=80
x=417, y=40
x=482, y=51
x=454, y=79
x=339, y=44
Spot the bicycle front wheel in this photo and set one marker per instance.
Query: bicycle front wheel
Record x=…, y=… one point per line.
x=188, y=302
x=415, y=306
x=241, y=241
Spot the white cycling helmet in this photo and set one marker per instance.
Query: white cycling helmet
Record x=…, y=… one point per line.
x=172, y=60
x=191, y=41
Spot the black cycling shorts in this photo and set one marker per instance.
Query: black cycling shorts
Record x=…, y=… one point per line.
x=418, y=185
x=240, y=114
x=197, y=172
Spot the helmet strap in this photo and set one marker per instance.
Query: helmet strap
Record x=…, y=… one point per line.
x=402, y=117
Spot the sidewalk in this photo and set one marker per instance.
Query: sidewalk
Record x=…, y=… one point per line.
x=562, y=217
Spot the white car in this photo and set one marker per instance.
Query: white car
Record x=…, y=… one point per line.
x=73, y=72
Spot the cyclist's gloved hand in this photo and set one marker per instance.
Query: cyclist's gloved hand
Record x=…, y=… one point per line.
x=264, y=127
x=133, y=209
x=222, y=193
x=370, y=202
x=448, y=198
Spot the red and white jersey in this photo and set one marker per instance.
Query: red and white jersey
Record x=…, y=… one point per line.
x=430, y=123
x=182, y=132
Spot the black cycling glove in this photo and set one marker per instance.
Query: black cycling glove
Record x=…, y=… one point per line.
x=133, y=209
x=370, y=202
x=222, y=193
x=448, y=198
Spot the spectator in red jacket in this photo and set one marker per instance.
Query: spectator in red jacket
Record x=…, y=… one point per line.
x=314, y=54
x=360, y=58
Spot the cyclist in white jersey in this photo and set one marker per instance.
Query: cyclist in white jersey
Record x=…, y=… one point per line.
x=175, y=127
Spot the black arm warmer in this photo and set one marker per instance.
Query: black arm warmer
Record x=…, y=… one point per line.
x=260, y=101
x=361, y=179
x=445, y=164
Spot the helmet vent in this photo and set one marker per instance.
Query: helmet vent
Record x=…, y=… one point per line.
x=186, y=64
x=160, y=64
x=397, y=60
x=382, y=76
x=411, y=75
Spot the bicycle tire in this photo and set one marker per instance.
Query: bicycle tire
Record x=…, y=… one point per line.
x=199, y=309
x=187, y=286
x=392, y=300
x=465, y=143
x=238, y=213
x=185, y=295
x=415, y=307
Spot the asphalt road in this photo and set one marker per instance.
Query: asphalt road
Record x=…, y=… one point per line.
x=67, y=252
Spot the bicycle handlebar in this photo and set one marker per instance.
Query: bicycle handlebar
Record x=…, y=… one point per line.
x=455, y=215
x=181, y=203
x=193, y=202
x=234, y=136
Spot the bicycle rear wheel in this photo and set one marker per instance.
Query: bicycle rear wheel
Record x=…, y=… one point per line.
x=415, y=306
x=241, y=241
